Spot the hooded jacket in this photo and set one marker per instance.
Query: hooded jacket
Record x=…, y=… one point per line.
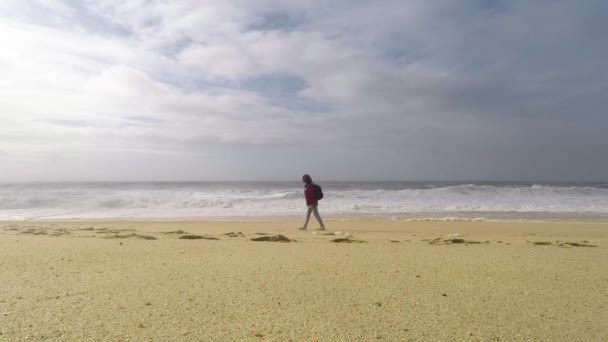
x=309, y=195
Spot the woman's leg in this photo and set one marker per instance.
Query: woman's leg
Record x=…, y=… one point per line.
x=316, y=211
x=307, y=218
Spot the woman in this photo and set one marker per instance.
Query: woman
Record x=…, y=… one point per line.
x=311, y=202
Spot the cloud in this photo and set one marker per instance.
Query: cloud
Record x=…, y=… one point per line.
x=415, y=81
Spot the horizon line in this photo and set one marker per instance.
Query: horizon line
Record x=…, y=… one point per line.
x=323, y=180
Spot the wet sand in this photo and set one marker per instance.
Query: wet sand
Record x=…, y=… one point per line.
x=396, y=281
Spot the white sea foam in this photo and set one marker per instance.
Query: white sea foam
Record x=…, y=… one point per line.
x=346, y=200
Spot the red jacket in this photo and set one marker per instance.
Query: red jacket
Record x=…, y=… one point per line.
x=309, y=194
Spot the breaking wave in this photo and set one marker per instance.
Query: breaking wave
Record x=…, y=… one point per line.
x=200, y=200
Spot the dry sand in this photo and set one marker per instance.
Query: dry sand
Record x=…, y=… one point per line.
x=123, y=280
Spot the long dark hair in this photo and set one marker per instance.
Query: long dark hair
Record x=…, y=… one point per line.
x=306, y=179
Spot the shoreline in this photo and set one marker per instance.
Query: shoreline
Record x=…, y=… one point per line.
x=383, y=217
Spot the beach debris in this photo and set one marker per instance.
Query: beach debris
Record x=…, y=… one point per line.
x=346, y=240
x=378, y=304
x=393, y=241
x=575, y=244
x=145, y=237
x=454, y=235
x=34, y=231
x=339, y=233
x=259, y=335
x=273, y=238
x=176, y=232
x=59, y=233
x=196, y=237
x=445, y=294
x=132, y=235
x=233, y=234
x=262, y=234
x=118, y=231
x=563, y=243
x=580, y=244
x=440, y=241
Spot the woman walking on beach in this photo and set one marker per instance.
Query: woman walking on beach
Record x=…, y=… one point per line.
x=311, y=201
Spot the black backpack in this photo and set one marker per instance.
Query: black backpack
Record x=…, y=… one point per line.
x=318, y=192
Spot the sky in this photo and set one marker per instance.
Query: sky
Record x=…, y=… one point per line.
x=108, y=90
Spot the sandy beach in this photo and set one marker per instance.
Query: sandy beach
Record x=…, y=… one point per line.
x=395, y=281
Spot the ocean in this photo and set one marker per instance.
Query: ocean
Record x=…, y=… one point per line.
x=284, y=200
